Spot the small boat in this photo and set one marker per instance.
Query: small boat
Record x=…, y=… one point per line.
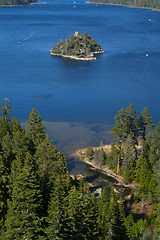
x=19, y=42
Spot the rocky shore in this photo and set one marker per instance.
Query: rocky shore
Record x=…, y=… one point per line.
x=80, y=154
x=78, y=46
x=74, y=57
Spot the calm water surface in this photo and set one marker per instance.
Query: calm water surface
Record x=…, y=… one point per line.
x=79, y=99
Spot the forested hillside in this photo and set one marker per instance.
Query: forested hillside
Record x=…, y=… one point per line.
x=39, y=200
x=155, y=4
x=17, y=2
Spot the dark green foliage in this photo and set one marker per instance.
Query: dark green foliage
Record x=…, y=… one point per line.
x=116, y=224
x=4, y=128
x=121, y=130
x=24, y=208
x=136, y=230
x=132, y=122
x=81, y=214
x=6, y=112
x=156, y=176
x=77, y=45
x=38, y=200
x=35, y=128
x=16, y=2
x=154, y=154
x=157, y=230
x=104, y=214
x=50, y=164
x=145, y=123
x=133, y=3
x=129, y=159
x=112, y=157
x=144, y=178
x=89, y=152
x=3, y=192
x=55, y=219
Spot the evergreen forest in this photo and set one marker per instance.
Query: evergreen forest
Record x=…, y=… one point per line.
x=16, y=2
x=39, y=200
x=154, y=4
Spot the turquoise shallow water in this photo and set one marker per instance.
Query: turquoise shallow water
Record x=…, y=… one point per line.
x=82, y=97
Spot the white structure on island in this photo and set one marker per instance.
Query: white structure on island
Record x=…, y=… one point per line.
x=76, y=34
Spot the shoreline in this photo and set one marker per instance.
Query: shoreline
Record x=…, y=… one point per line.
x=30, y=4
x=80, y=154
x=73, y=57
x=123, y=5
x=77, y=58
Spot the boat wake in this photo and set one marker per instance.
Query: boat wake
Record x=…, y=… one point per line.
x=25, y=39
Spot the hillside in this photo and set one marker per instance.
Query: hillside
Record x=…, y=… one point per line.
x=154, y=4
x=78, y=46
x=16, y=2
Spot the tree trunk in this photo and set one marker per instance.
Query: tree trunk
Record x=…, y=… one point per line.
x=118, y=166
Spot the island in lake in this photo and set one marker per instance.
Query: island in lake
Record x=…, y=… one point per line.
x=16, y=2
x=78, y=46
x=151, y=4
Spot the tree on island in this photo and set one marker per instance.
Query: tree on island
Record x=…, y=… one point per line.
x=78, y=45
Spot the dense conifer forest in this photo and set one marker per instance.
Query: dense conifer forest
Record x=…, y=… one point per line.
x=155, y=4
x=16, y=2
x=39, y=200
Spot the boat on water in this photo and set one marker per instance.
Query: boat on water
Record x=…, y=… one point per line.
x=18, y=42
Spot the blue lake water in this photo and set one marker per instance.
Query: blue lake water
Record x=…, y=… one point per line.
x=78, y=100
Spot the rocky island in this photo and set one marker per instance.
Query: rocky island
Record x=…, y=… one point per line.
x=78, y=46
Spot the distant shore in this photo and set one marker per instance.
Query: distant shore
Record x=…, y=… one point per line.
x=123, y=5
x=34, y=3
x=80, y=154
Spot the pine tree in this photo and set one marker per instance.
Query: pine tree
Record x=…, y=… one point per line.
x=46, y=161
x=116, y=229
x=132, y=122
x=6, y=112
x=20, y=143
x=145, y=123
x=157, y=228
x=7, y=151
x=82, y=211
x=120, y=131
x=24, y=208
x=156, y=176
x=56, y=218
x=103, y=215
x=35, y=128
x=14, y=126
x=129, y=159
x=90, y=211
x=143, y=175
x=155, y=146
x=3, y=192
x=4, y=128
